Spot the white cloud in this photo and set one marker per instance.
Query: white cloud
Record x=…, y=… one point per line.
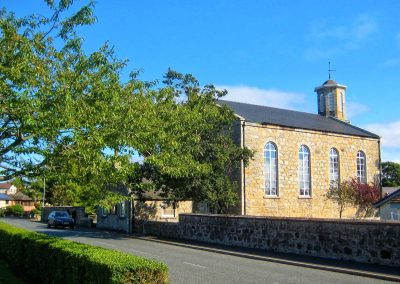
x=354, y=109
x=392, y=62
x=363, y=27
x=390, y=155
x=266, y=97
x=328, y=40
x=390, y=133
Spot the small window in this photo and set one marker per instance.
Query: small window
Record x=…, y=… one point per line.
x=321, y=103
x=271, y=169
x=334, y=168
x=331, y=102
x=304, y=172
x=104, y=211
x=168, y=210
x=7, y=202
x=361, y=167
x=122, y=209
x=340, y=102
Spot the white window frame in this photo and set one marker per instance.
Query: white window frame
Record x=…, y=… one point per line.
x=334, y=168
x=361, y=167
x=164, y=206
x=271, y=169
x=104, y=211
x=304, y=171
x=122, y=209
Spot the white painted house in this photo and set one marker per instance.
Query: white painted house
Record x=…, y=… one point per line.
x=389, y=206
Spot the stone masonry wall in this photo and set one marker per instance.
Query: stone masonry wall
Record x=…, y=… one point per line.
x=287, y=140
x=117, y=221
x=361, y=241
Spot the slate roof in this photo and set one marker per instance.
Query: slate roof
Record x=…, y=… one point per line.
x=4, y=197
x=142, y=195
x=295, y=119
x=394, y=196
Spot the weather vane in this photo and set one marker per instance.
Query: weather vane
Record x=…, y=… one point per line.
x=330, y=70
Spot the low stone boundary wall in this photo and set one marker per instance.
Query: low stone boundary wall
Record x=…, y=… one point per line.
x=356, y=240
x=158, y=228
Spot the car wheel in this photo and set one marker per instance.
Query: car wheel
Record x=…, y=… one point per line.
x=48, y=226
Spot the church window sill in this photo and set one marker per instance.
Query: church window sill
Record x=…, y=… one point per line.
x=271, y=197
x=305, y=197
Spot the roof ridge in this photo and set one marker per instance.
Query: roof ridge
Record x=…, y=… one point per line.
x=387, y=198
x=284, y=109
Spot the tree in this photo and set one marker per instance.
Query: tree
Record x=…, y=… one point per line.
x=203, y=134
x=351, y=192
x=366, y=195
x=343, y=195
x=390, y=174
x=68, y=116
x=33, y=74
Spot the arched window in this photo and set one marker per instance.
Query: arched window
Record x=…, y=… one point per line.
x=304, y=171
x=322, y=103
x=334, y=168
x=340, y=102
x=271, y=169
x=361, y=167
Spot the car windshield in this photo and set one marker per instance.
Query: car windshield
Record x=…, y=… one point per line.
x=61, y=214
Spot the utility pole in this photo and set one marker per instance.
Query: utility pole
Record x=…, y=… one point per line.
x=44, y=190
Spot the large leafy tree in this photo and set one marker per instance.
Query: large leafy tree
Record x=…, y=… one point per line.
x=68, y=115
x=390, y=174
x=35, y=78
x=205, y=133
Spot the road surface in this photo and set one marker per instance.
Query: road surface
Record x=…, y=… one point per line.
x=188, y=265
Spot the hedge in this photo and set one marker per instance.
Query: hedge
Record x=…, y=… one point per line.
x=46, y=259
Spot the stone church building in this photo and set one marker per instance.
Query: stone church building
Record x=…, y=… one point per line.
x=299, y=155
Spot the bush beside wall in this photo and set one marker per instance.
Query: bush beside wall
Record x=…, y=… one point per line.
x=45, y=259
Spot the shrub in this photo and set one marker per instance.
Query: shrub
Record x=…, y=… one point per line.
x=2, y=212
x=38, y=206
x=35, y=211
x=16, y=210
x=63, y=261
x=354, y=193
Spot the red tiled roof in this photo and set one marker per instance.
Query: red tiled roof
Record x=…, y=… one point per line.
x=5, y=185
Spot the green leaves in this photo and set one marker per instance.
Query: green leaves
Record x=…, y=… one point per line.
x=390, y=174
x=63, y=261
x=63, y=111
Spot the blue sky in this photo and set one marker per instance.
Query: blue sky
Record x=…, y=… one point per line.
x=266, y=52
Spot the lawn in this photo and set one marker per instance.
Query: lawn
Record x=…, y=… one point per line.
x=7, y=276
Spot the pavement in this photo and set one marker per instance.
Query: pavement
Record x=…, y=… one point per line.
x=194, y=262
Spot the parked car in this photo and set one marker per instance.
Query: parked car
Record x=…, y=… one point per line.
x=60, y=219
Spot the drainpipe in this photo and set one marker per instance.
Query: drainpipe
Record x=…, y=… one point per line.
x=380, y=167
x=243, y=174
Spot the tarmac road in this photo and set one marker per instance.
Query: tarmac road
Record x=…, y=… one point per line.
x=190, y=265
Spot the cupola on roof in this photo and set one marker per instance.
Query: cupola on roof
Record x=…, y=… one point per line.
x=330, y=82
